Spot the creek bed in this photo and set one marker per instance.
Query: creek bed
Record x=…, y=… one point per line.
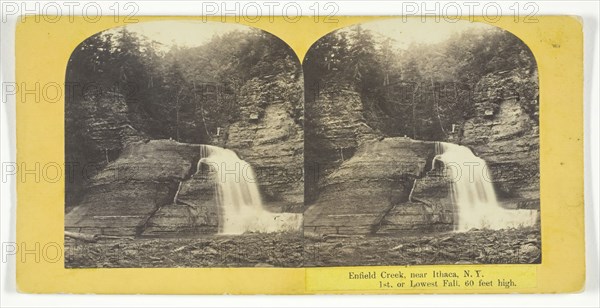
x=292, y=249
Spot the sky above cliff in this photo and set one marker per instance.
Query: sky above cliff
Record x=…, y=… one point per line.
x=183, y=33
x=407, y=31
x=404, y=32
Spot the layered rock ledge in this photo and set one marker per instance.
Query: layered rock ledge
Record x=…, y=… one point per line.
x=122, y=197
x=369, y=193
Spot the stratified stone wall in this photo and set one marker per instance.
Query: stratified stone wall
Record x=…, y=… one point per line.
x=122, y=197
x=505, y=132
x=270, y=137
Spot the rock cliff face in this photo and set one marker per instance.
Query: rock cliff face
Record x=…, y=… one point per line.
x=504, y=131
x=135, y=194
x=335, y=126
x=105, y=120
x=108, y=123
x=192, y=211
x=370, y=191
x=270, y=136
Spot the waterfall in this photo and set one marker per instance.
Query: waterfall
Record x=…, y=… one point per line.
x=238, y=196
x=473, y=193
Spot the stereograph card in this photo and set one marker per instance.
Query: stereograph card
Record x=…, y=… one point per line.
x=212, y=155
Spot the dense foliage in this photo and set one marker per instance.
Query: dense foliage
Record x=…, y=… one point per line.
x=183, y=93
x=422, y=90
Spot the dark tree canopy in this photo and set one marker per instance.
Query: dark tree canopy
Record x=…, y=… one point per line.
x=419, y=91
x=184, y=93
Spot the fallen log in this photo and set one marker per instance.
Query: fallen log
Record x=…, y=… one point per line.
x=335, y=235
x=92, y=238
x=114, y=237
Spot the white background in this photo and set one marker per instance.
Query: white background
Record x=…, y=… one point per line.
x=588, y=10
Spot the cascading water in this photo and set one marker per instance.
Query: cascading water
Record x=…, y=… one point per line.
x=473, y=193
x=238, y=197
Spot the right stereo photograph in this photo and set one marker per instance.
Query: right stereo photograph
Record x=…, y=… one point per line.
x=421, y=146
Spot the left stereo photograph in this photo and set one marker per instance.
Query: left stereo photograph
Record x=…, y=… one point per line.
x=184, y=148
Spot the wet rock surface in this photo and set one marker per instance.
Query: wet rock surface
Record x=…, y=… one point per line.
x=429, y=207
x=194, y=210
x=181, y=220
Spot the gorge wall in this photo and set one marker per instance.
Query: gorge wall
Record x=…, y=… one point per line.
x=504, y=131
x=144, y=187
x=346, y=176
x=335, y=126
x=270, y=136
x=99, y=125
